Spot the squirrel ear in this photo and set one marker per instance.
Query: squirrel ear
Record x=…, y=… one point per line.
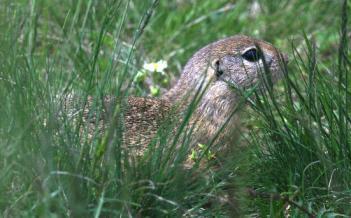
x=216, y=64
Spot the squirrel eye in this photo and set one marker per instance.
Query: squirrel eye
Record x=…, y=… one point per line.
x=251, y=55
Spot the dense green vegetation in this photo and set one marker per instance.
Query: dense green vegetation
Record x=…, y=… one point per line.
x=297, y=156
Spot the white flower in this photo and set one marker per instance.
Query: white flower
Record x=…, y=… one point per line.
x=159, y=66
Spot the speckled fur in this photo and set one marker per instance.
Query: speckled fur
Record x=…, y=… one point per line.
x=143, y=118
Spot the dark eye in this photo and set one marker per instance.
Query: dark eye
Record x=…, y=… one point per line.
x=251, y=55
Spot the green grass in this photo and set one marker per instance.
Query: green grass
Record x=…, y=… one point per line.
x=296, y=138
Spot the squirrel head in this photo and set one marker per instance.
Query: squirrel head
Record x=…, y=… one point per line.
x=238, y=61
x=219, y=69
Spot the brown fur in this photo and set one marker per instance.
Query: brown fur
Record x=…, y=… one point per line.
x=143, y=118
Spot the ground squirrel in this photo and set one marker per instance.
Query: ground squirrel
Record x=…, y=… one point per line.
x=234, y=61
